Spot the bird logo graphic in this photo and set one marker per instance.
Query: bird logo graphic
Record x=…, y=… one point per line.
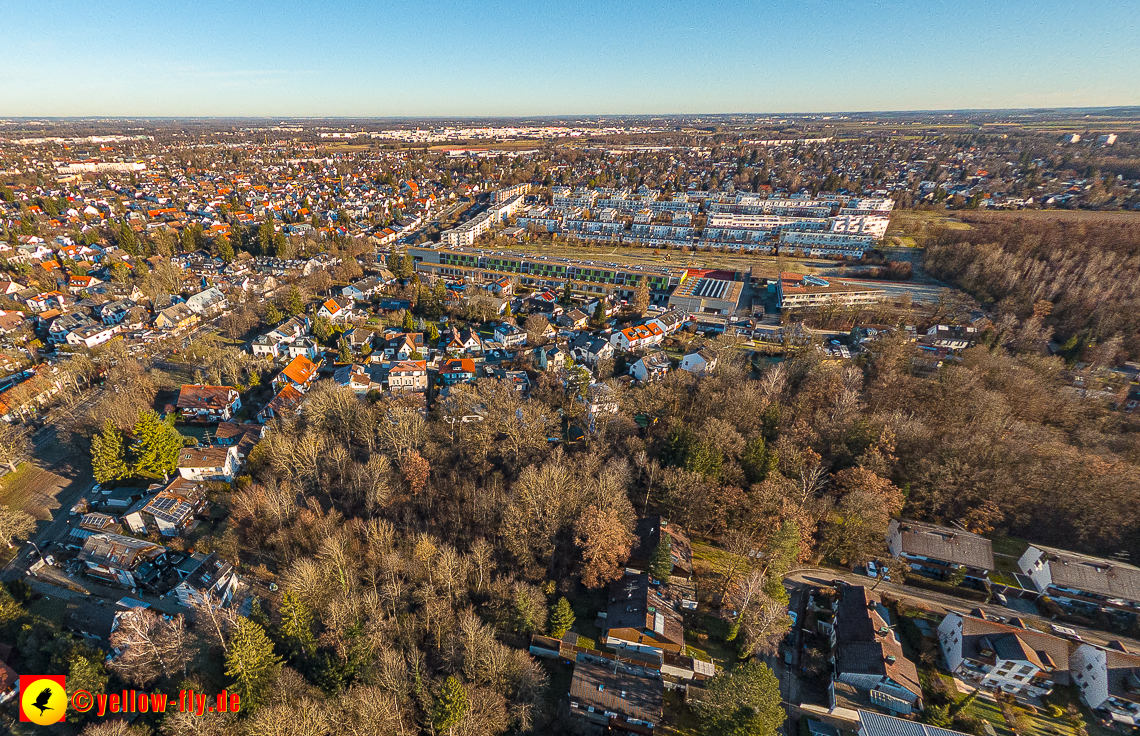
x=43, y=699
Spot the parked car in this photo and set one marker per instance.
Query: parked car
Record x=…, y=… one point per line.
x=872, y=569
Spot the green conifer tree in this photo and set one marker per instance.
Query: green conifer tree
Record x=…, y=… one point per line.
x=661, y=560
x=157, y=445
x=561, y=617
x=225, y=250
x=409, y=322
x=108, y=458
x=296, y=630
x=431, y=333
x=273, y=314
x=127, y=239
x=294, y=305
x=252, y=663
x=345, y=355
x=450, y=705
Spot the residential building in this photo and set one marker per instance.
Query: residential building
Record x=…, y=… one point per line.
x=798, y=290
x=551, y=357
x=1081, y=581
x=1108, y=679
x=363, y=289
x=699, y=362
x=125, y=560
x=637, y=337
x=510, y=335
x=611, y=697
x=299, y=374
x=643, y=617
x=458, y=370
x=205, y=578
x=176, y=318
x=286, y=401
x=670, y=321
x=408, y=375
x=207, y=303
x=938, y=551
x=867, y=653
x=170, y=512
x=591, y=349
x=651, y=367
x=208, y=463
x=91, y=336
x=1009, y=657
x=878, y=724
x=199, y=403
x=336, y=309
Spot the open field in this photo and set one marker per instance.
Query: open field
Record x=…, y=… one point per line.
x=1050, y=215
x=32, y=490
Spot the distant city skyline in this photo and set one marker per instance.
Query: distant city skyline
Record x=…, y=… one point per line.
x=510, y=58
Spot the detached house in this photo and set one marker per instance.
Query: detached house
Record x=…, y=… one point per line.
x=591, y=350
x=176, y=318
x=939, y=551
x=509, y=335
x=207, y=303
x=170, y=511
x=408, y=375
x=615, y=699
x=651, y=367
x=337, y=309
x=867, y=655
x=460, y=370
x=208, y=403
x=1007, y=657
x=91, y=336
x=124, y=560
x=465, y=342
x=551, y=357
x=404, y=345
x=286, y=401
x=643, y=617
x=699, y=362
x=205, y=578
x=299, y=374
x=208, y=463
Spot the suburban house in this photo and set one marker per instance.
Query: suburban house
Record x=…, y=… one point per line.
x=124, y=560
x=199, y=403
x=169, y=512
x=113, y=313
x=175, y=318
x=359, y=339
x=638, y=336
x=208, y=463
x=1080, y=581
x=651, y=367
x=273, y=342
x=509, y=335
x=670, y=321
x=1108, y=679
x=572, y=320
x=337, y=309
x=591, y=350
x=610, y=697
x=457, y=370
x=652, y=531
x=91, y=335
x=408, y=375
x=938, y=551
x=63, y=325
x=363, y=289
x=551, y=357
x=641, y=617
x=867, y=654
x=403, y=345
x=286, y=401
x=303, y=346
x=299, y=374
x=360, y=378
x=205, y=577
x=465, y=342
x=1008, y=657
x=207, y=303
x=699, y=362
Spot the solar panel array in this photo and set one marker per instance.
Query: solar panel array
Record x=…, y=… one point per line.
x=711, y=288
x=172, y=510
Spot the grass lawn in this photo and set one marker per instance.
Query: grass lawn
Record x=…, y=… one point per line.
x=1011, y=546
x=987, y=710
x=1064, y=695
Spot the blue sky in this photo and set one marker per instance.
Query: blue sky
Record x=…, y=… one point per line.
x=507, y=57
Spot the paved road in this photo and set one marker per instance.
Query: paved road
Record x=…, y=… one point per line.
x=942, y=602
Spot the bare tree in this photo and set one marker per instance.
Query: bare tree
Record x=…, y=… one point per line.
x=215, y=619
x=151, y=647
x=14, y=445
